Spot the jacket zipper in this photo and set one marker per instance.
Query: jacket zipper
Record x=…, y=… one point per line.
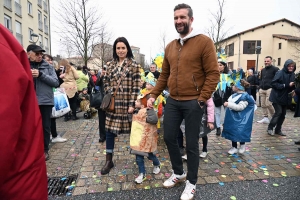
x=195, y=83
x=177, y=72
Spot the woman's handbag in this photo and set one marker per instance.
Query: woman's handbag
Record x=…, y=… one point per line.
x=218, y=101
x=96, y=98
x=108, y=102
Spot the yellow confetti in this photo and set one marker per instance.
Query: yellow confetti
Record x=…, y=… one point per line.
x=233, y=198
x=223, y=176
x=147, y=187
x=275, y=184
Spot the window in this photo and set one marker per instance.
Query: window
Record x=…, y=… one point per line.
x=229, y=50
x=29, y=7
x=46, y=42
x=18, y=27
x=279, y=45
x=30, y=31
x=7, y=22
x=279, y=62
x=40, y=20
x=230, y=65
x=250, y=45
x=46, y=24
x=18, y=8
x=41, y=40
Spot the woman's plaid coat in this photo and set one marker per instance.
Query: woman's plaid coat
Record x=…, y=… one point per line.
x=118, y=122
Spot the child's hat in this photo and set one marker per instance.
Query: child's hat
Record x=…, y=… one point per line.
x=242, y=84
x=150, y=79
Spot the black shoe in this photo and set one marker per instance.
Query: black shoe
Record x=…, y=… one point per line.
x=74, y=118
x=280, y=133
x=47, y=157
x=102, y=140
x=298, y=142
x=181, y=149
x=218, y=133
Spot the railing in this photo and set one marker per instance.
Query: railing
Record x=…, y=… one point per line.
x=41, y=25
x=20, y=38
x=45, y=7
x=7, y=4
x=18, y=9
x=40, y=3
x=46, y=29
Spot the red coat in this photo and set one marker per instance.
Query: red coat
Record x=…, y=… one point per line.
x=22, y=162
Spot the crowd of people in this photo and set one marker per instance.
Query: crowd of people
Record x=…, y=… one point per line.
x=198, y=90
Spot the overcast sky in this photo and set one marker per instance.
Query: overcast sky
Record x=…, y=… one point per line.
x=142, y=21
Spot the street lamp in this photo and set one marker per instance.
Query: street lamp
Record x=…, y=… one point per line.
x=35, y=36
x=258, y=50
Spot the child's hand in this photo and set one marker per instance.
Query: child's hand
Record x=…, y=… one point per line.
x=210, y=125
x=225, y=103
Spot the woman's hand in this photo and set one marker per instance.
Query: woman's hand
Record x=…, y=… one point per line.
x=130, y=109
x=62, y=76
x=210, y=125
x=225, y=104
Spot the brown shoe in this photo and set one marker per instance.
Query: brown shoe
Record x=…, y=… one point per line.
x=108, y=164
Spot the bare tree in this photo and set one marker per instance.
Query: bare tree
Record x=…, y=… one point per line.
x=79, y=27
x=216, y=32
x=163, y=40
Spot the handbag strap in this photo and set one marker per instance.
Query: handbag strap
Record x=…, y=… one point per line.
x=120, y=79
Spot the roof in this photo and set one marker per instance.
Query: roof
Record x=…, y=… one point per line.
x=263, y=26
x=286, y=37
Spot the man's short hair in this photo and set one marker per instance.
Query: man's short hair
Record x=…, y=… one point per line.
x=184, y=6
x=250, y=70
x=269, y=57
x=154, y=65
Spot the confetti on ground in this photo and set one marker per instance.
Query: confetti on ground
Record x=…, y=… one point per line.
x=58, y=168
x=64, y=178
x=233, y=166
x=241, y=177
x=283, y=173
x=109, y=189
x=94, y=176
x=147, y=187
x=217, y=170
x=239, y=161
x=222, y=163
x=264, y=181
x=289, y=160
x=233, y=198
x=221, y=183
x=223, y=176
x=255, y=171
x=275, y=185
x=83, y=177
x=156, y=185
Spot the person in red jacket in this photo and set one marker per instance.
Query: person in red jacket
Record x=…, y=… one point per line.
x=22, y=162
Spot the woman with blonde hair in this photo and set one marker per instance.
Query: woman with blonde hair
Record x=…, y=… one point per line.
x=69, y=77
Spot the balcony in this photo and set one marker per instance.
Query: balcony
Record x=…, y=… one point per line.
x=20, y=38
x=40, y=25
x=45, y=7
x=18, y=8
x=7, y=4
x=40, y=3
x=46, y=29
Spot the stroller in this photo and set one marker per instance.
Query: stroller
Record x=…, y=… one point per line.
x=85, y=106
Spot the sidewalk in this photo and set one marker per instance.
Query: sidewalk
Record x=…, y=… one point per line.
x=267, y=157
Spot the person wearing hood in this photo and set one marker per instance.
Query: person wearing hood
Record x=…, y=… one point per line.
x=190, y=70
x=282, y=84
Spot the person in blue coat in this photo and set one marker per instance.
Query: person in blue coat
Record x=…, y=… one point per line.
x=282, y=84
x=239, y=117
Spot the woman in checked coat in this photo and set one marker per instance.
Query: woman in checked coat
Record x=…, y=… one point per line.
x=119, y=122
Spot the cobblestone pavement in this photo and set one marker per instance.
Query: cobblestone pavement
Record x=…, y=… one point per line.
x=266, y=157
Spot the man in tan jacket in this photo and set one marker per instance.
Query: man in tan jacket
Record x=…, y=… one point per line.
x=190, y=70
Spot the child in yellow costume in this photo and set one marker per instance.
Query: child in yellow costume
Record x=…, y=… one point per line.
x=143, y=137
x=158, y=104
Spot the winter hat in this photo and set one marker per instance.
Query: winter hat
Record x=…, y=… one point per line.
x=150, y=79
x=242, y=84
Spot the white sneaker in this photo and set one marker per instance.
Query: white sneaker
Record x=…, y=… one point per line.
x=140, y=178
x=203, y=154
x=270, y=132
x=189, y=191
x=156, y=169
x=233, y=150
x=184, y=157
x=265, y=120
x=58, y=139
x=174, y=179
x=242, y=148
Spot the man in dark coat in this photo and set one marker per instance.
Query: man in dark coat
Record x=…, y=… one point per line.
x=22, y=162
x=282, y=84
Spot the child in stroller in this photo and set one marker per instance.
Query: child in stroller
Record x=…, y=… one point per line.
x=84, y=98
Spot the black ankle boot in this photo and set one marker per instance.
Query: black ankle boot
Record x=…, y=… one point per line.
x=218, y=131
x=108, y=164
x=102, y=139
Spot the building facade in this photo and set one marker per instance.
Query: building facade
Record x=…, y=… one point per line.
x=28, y=21
x=278, y=39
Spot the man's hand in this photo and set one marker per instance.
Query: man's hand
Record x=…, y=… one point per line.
x=225, y=103
x=150, y=102
x=35, y=73
x=130, y=109
x=292, y=84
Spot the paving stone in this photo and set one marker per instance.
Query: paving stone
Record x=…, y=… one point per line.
x=211, y=179
x=97, y=188
x=80, y=190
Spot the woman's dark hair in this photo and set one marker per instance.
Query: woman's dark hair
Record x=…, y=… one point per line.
x=129, y=52
x=225, y=70
x=49, y=56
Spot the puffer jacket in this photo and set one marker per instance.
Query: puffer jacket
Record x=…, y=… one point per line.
x=45, y=82
x=281, y=85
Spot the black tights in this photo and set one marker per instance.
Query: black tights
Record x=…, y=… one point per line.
x=204, y=141
x=234, y=144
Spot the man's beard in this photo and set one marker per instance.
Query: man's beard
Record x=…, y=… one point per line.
x=185, y=29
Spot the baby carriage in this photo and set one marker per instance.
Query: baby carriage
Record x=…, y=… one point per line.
x=85, y=107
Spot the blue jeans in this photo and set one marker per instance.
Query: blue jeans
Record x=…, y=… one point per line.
x=110, y=142
x=141, y=164
x=219, y=115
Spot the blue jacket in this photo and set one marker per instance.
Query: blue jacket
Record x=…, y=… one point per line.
x=238, y=124
x=281, y=85
x=45, y=82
